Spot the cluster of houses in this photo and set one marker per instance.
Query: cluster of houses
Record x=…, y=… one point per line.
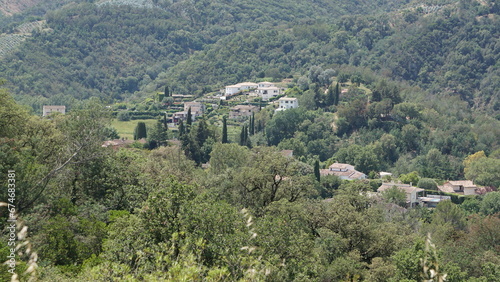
x=197, y=110
x=236, y=112
x=266, y=90
x=414, y=196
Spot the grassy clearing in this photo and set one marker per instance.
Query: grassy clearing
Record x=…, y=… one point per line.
x=126, y=128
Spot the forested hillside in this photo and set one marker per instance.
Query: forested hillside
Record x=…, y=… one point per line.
x=110, y=50
x=446, y=47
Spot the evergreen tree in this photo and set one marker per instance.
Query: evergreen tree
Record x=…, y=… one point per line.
x=247, y=140
x=224, y=130
x=337, y=94
x=202, y=132
x=165, y=122
x=140, y=131
x=191, y=148
x=316, y=170
x=318, y=97
x=252, y=124
x=167, y=91
x=182, y=128
x=189, y=120
x=242, y=136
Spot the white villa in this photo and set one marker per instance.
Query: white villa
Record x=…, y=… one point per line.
x=266, y=90
x=266, y=84
x=233, y=89
x=286, y=103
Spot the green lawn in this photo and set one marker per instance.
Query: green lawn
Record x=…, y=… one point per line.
x=126, y=128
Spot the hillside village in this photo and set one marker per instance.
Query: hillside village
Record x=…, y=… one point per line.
x=250, y=140
x=240, y=102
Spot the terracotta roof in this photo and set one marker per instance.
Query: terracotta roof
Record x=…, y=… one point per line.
x=341, y=166
x=465, y=183
x=287, y=99
x=351, y=174
x=269, y=88
x=54, y=107
x=243, y=107
x=446, y=188
x=248, y=84
x=405, y=187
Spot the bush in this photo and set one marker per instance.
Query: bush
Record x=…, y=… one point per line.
x=427, y=183
x=123, y=116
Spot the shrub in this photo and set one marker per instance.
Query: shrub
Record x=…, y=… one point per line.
x=427, y=183
x=123, y=116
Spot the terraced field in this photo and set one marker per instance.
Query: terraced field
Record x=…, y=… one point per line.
x=9, y=42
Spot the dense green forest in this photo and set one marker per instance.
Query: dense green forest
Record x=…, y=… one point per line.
x=443, y=47
x=410, y=88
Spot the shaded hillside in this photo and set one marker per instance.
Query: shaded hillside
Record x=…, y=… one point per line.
x=448, y=48
x=111, y=50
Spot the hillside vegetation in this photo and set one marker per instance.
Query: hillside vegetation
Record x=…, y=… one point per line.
x=113, y=50
x=406, y=89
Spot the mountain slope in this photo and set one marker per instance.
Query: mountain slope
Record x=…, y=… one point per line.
x=111, y=50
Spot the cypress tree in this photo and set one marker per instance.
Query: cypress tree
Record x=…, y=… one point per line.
x=247, y=140
x=245, y=132
x=224, y=130
x=316, y=170
x=242, y=136
x=140, y=131
x=337, y=94
x=167, y=91
x=252, y=124
x=182, y=128
x=165, y=122
x=189, y=120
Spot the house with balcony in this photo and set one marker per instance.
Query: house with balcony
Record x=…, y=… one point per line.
x=285, y=103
